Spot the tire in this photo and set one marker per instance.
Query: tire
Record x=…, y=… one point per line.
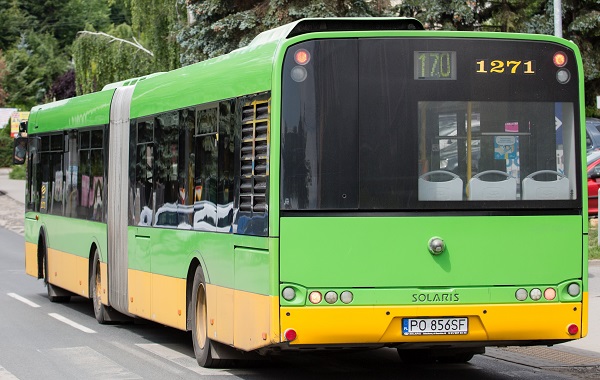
x=51, y=289
x=95, y=290
x=202, y=344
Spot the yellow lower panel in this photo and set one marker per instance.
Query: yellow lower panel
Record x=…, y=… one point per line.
x=168, y=301
x=345, y=325
x=104, y=281
x=255, y=323
x=139, y=284
x=220, y=313
x=31, y=260
x=584, y=312
x=68, y=271
x=245, y=320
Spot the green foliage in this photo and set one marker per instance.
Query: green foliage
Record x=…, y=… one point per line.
x=3, y=74
x=6, y=147
x=12, y=23
x=98, y=61
x=32, y=66
x=593, y=248
x=18, y=172
x=153, y=24
x=218, y=27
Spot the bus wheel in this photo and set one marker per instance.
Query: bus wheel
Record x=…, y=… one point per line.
x=202, y=343
x=96, y=284
x=55, y=294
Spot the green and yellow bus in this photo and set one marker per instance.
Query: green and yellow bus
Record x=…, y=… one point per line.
x=337, y=183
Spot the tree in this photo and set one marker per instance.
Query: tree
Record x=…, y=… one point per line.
x=63, y=19
x=3, y=74
x=103, y=59
x=32, y=66
x=154, y=23
x=128, y=51
x=217, y=27
x=13, y=21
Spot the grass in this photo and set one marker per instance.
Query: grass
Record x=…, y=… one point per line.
x=17, y=172
x=593, y=249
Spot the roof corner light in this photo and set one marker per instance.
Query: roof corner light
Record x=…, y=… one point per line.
x=302, y=57
x=563, y=76
x=559, y=59
x=299, y=74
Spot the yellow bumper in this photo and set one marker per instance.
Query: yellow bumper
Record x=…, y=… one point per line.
x=358, y=325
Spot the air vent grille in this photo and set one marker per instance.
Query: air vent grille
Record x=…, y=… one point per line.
x=255, y=156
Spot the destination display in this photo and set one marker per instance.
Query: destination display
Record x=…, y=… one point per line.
x=435, y=65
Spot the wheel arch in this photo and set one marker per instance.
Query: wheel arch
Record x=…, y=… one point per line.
x=196, y=261
x=42, y=247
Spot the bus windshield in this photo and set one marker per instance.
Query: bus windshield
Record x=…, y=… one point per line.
x=400, y=124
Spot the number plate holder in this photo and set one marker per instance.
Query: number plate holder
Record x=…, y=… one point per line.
x=435, y=326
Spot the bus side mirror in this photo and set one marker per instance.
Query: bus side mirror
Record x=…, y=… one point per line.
x=594, y=173
x=23, y=127
x=20, y=150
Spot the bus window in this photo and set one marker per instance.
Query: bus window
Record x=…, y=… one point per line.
x=497, y=145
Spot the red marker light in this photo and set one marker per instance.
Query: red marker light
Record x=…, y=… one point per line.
x=302, y=57
x=290, y=335
x=559, y=59
x=572, y=329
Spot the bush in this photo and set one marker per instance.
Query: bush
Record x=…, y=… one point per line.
x=18, y=172
x=6, y=149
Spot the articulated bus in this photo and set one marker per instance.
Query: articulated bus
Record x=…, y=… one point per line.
x=338, y=183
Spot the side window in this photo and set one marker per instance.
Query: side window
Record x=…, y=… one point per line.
x=166, y=187
x=89, y=174
x=225, y=190
x=50, y=179
x=186, y=167
x=206, y=173
x=144, y=197
x=33, y=195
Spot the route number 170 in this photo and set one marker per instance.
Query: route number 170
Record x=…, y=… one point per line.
x=496, y=66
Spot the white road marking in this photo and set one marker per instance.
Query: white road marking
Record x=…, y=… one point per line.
x=86, y=363
x=71, y=323
x=184, y=360
x=5, y=375
x=23, y=299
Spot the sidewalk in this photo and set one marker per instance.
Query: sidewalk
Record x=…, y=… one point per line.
x=15, y=189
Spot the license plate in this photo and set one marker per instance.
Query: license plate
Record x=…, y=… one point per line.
x=435, y=326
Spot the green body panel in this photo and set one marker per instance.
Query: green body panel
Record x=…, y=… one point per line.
x=392, y=252
x=82, y=111
x=232, y=261
x=67, y=235
x=242, y=72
